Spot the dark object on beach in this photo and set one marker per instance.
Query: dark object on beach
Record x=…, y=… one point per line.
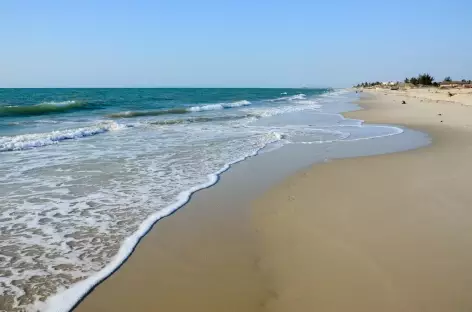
x=441, y=121
x=403, y=102
x=450, y=94
x=439, y=114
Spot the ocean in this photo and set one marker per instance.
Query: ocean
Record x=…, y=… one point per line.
x=85, y=173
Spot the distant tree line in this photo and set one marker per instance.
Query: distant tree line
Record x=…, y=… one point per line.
x=422, y=79
x=368, y=84
x=448, y=79
x=427, y=80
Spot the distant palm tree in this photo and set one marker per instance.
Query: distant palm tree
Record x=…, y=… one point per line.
x=448, y=78
x=407, y=80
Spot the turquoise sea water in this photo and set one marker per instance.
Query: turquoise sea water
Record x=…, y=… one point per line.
x=22, y=109
x=84, y=173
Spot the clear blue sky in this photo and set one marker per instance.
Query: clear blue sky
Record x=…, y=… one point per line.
x=240, y=43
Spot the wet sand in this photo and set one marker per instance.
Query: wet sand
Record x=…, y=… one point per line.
x=378, y=233
x=201, y=258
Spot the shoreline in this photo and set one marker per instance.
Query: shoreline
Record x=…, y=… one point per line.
x=81, y=290
x=198, y=250
x=378, y=233
x=125, y=184
x=263, y=291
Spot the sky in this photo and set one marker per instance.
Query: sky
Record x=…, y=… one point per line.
x=240, y=43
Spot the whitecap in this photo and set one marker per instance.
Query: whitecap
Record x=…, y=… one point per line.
x=29, y=141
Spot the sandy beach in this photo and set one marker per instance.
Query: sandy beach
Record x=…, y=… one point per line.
x=212, y=156
x=461, y=96
x=382, y=233
x=378, y=233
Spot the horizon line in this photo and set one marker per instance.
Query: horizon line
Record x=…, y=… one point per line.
x=169, y=87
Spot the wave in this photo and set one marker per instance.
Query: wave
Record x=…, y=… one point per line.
x=42, y=109
x=29, y=141
x=202, y=119
x=209, y=107
x=295, y=97
x=69, y=298
x=219, y=106
x=131, y=114
x=335, y=92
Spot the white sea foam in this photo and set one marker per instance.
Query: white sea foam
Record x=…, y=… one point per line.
x=219, y=106
x=59, y=103
x=295, y=97
x=52, y=103
x=65, y=300
x=174, y=111
x=75, y=213
x=297, y=103
x=45, y=121
x=346, y=135
x=28, y=141
x=336, y=93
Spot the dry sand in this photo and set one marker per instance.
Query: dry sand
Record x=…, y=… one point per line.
x=454, y=95
x=380, y=233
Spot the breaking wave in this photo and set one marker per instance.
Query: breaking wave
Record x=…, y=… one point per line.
x=29, y=141
x=43, y=108
x=290, y=98
x=173, y=111
x=202, y=119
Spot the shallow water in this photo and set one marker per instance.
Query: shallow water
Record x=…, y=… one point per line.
x=81, y=186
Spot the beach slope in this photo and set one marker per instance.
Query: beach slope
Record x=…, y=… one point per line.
x=382, y=233
x=379, y=233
